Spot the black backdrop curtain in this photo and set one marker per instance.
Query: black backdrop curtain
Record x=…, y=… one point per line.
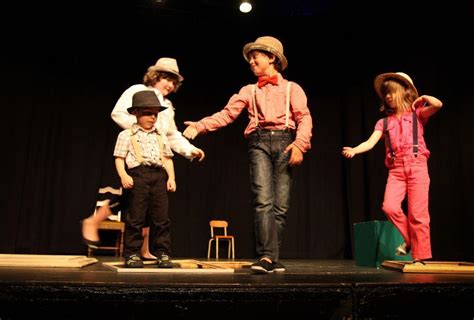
x=61, y=78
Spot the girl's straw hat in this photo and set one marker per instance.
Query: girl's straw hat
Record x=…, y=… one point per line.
x=399, y=76
x=268, y=44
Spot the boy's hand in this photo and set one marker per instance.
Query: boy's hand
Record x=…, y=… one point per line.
x=296, y=156
x=127, y=182
x=171, y=185
x=190, y=132
x=198, y=153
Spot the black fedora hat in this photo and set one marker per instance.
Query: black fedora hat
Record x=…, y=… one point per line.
x=145, y=99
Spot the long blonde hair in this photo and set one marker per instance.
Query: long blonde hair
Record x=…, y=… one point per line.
x=402, y=95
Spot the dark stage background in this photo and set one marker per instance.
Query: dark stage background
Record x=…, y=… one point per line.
x=64, y=66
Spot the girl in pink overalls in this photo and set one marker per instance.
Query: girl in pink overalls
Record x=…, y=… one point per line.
x=406, y=159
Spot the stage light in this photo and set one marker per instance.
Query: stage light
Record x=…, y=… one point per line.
x=245, y=7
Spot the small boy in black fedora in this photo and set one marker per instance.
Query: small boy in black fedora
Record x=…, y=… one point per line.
x=163, y=78
x=143, y=162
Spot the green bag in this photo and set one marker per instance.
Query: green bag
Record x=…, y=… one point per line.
x=375, y=242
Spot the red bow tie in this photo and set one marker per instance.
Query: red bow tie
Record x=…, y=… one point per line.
x=263, y=80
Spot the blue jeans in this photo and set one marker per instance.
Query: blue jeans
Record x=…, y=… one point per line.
x=270, y=179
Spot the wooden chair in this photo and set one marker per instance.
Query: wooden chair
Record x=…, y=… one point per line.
x=220, y=225
x=113, y=223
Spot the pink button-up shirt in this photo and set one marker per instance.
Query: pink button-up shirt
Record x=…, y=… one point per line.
x=401, y=134
x=271, y=108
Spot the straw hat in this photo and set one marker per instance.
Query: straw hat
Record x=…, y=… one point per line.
x=167, y=65
x=400, y=76
x=268, y=44
x=145, y=99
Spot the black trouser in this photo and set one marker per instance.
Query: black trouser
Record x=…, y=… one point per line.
x=148, y=195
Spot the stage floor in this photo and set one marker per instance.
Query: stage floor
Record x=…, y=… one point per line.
x=323, y=289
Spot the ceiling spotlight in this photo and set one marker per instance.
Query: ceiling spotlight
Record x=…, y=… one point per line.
x=245, y=7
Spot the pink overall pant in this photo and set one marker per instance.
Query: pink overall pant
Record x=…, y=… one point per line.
x=408, y=176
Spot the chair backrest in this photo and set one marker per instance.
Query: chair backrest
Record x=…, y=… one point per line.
x=100, y=203
x=111, y=190
x=218, y=224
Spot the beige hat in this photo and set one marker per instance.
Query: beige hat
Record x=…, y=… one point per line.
x=269, y=44
x=400, y=76
x=167, y=65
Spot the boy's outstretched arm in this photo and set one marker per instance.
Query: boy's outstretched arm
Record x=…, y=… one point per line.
x=349, y=152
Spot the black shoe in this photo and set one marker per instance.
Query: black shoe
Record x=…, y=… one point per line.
x=164, y=261
x=278, y=267
x=91, y=244
x=262, y=266
x=134, y=261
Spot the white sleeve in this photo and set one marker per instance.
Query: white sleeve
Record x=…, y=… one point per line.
x=177, y=142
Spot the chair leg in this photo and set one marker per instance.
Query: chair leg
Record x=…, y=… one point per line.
x=228, y=248
x=209, y=248
x=217, y=249
x=233, y=249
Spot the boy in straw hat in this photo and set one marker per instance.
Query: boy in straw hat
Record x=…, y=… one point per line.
x=278, y=133
x=143, y=162
x=405, y=157
x=163, y=78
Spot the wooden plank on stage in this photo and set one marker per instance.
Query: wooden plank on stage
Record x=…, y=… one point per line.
x=184, y=266
x=224, y=264
x=188, y=264
x=46, y=261
x=430, y=266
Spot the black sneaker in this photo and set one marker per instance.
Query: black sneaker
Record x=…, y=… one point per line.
x=164, y=261
x=262, y=266
x=278, y=267
x=134, y=261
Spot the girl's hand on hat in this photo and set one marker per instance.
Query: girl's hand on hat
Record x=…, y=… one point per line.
x=190, y=132
x=427, y=101
x=419, y=102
